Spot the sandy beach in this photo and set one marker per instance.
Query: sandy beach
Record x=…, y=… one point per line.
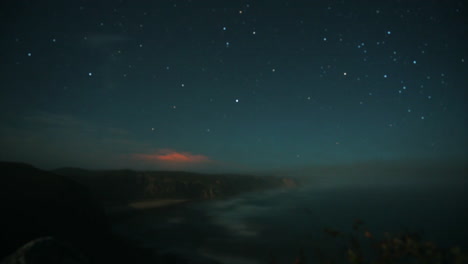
x=143, y=205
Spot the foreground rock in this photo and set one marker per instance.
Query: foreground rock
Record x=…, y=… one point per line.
x=46, y=250
x=36, y=203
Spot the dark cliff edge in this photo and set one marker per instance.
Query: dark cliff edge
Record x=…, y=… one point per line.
x=124, y=186
x=36, y=204
x=62, y=211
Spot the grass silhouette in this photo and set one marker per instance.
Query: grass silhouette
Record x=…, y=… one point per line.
x=361, y=246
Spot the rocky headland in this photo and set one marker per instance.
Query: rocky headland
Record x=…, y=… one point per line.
x=59, y=215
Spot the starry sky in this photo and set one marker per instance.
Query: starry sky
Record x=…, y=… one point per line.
x=251, y=86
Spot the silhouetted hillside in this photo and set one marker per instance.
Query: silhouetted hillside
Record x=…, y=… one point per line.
x=61, y=207
x=36, y=203
x=128, y=185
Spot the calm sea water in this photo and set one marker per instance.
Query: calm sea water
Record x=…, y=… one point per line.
x=256, y=227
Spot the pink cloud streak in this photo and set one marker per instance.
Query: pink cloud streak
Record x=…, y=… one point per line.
x=172, y=156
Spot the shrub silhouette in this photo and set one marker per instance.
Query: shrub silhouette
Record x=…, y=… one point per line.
x=403, y=247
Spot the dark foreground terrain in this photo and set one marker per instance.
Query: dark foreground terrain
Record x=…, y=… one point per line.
x=58, y=217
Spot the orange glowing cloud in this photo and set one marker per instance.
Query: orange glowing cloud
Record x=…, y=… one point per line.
x=172, y=156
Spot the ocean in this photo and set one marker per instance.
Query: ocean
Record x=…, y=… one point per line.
x=274, y=226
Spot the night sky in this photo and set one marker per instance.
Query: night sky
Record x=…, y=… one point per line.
x=190, y=86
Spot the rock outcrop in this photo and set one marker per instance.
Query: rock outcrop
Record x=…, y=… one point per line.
x=36, y=203
x=46, y=250
x=50, y=218
x=122, y=186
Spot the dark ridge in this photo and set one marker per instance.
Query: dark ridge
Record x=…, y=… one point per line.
x=123, y=186
x=38, y=203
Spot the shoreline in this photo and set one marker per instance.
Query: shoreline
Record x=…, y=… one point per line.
x=112, y=210
x=167, y=203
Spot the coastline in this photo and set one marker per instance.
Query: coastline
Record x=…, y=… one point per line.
x=143, y=205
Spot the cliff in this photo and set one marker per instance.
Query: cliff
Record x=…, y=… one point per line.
x=57, y=216
x=119, y=186
x=36, y=204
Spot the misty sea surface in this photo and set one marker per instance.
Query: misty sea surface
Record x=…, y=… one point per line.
x=258, y=227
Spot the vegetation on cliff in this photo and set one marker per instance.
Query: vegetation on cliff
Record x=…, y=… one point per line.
x=120, y=186
x=364, y=247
